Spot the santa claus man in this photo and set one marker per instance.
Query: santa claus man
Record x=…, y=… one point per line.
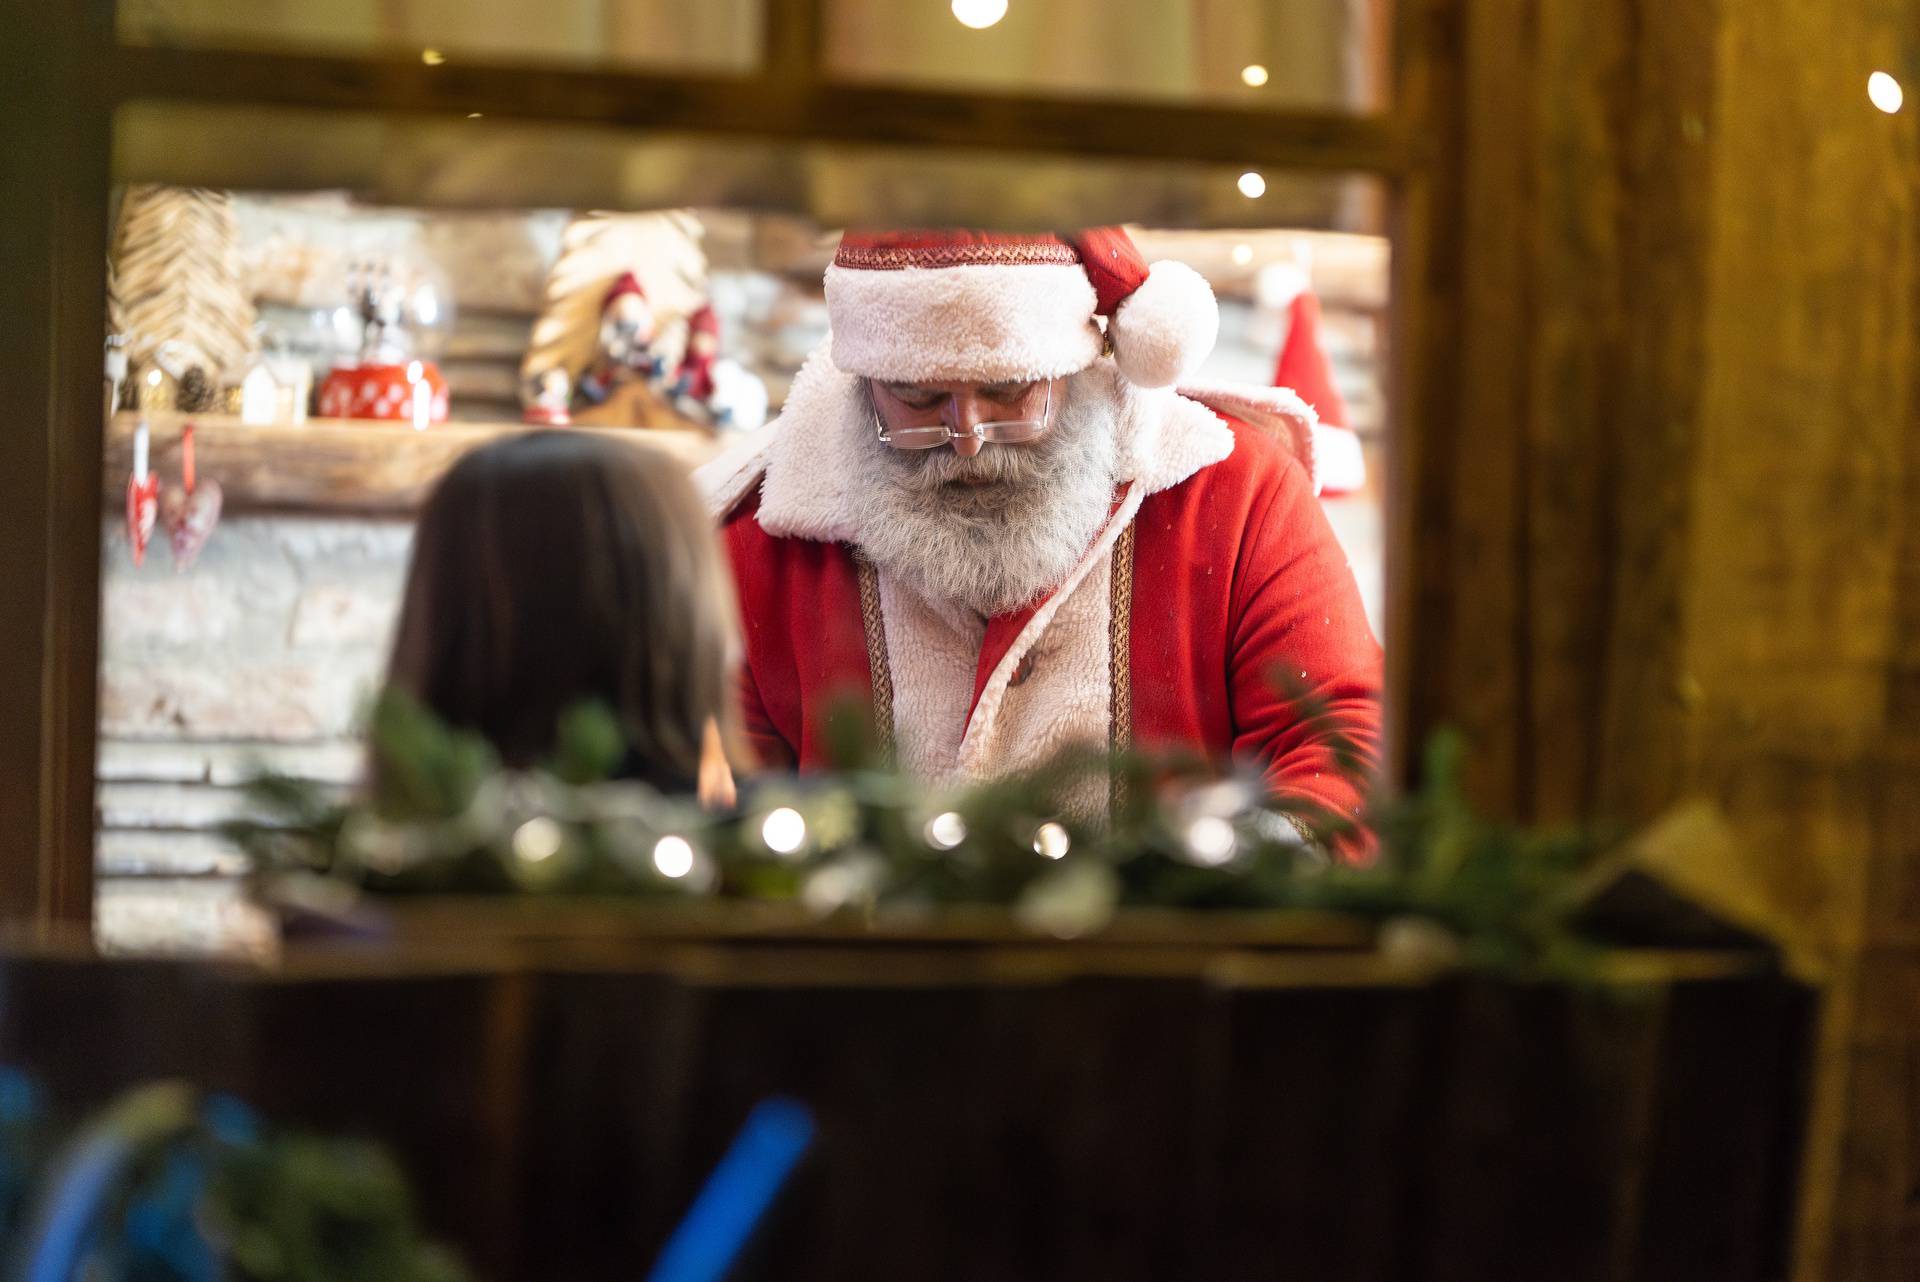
x=988, y=513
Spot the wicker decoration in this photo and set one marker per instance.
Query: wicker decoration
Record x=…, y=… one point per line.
x=174, y=277
x=661, y=249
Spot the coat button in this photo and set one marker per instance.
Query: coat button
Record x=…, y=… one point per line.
x=1021, y=672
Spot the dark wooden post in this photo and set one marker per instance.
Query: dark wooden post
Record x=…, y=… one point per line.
x=53, y=203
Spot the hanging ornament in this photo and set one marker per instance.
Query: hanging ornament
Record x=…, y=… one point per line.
x=190, y=510
x=116, y=371
x=143, y=495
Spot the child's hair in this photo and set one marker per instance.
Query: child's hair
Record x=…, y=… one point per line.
x=556, y=568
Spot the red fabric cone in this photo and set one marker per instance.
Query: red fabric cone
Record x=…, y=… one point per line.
x=1303, y=364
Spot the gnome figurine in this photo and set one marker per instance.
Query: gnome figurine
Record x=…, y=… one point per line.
x=627, y=330
x=695, y=376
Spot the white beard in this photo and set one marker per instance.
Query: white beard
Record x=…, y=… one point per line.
x=997, y=546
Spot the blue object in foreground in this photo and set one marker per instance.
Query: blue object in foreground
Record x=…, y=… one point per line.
x=735, y=1197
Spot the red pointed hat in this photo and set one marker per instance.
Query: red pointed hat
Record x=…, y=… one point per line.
x=628, y=283
x=927, y=305
x=1303, y=363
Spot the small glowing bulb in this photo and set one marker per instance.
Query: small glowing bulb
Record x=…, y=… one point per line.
x=1252, y=185
x=1210, y=840
x=1242, y=254
x=946, y=831
x=153, y=378
x=1885, y=92
x=673, y=856
x=432, y=57
x=784, y=831
x=1253, y=75
x=414, y=371
x=979, y=14
x=537, y=840
x=1052, y=841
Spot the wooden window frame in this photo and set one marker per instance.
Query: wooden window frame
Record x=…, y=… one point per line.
x=73, y=76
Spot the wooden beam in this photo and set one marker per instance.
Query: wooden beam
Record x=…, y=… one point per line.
x=792, y=38
x=335, y=465
x=768, y=107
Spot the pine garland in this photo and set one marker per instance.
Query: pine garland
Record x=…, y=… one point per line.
x=444, y=819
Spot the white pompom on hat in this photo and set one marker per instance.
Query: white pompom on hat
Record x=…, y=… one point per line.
x=988, y=307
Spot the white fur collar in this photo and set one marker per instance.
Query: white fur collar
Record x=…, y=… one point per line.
x=803, y=458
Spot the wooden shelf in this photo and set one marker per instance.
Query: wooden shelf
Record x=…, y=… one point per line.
x=335, y=465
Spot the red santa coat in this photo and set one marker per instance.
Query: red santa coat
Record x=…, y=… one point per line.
x=1212, y=612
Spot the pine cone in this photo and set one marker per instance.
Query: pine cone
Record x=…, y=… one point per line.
x=198, y=394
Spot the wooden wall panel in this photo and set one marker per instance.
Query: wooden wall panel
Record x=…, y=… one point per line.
x=1573, y=434
x=1667, y=219
x=1663, y=539
x=1484, y=639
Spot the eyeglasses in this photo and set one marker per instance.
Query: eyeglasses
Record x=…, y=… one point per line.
x=931, y=435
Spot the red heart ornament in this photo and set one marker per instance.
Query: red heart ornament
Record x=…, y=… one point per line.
x=190, y=518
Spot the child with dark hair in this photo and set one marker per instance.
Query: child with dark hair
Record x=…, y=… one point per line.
x=559, y=568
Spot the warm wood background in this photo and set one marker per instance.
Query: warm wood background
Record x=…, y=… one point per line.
x=1662, y=537
x=1658, y=287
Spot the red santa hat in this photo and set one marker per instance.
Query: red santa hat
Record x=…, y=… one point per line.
x=704, y=321
x=987, y=306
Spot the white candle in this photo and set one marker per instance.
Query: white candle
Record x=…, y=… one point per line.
x=140, y=450
x=422, y=404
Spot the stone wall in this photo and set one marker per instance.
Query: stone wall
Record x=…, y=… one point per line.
x=260, y=655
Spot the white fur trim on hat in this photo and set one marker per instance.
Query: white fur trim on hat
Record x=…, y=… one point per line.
x=984, y=322
x=1166, y=326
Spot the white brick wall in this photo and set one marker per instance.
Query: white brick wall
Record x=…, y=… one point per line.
x=260, y=656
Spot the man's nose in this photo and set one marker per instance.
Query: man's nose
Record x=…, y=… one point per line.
x=962, y=415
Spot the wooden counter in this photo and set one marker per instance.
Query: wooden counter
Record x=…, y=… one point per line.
x=340, y=465
x=986, y=1109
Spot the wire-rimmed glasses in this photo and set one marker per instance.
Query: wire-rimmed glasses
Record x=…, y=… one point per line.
x=931, y=435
